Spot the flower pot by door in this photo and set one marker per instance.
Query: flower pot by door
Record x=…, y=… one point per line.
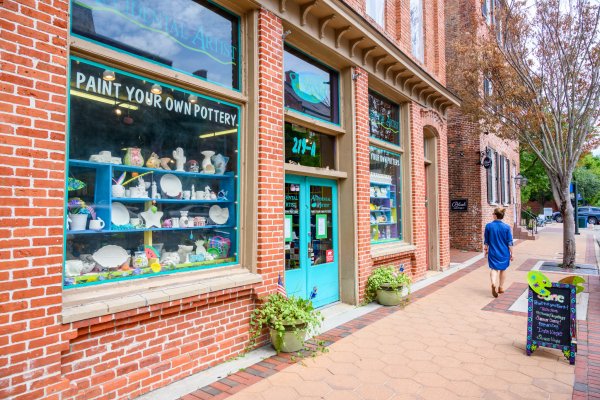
x=387, y=297
x=291, y=341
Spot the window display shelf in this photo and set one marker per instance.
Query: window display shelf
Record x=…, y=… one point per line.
x=382, y=210
x=129, y=168
x=113, y=231
x=169, y=201
x=383, y=223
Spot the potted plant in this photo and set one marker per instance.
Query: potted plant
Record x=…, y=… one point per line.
x=289, y=320
x=387, y=284
x=78, y=214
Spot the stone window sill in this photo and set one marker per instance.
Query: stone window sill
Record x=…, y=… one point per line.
x=96, y=301
x=388, y=249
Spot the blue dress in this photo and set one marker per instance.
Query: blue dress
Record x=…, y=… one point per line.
x=498, y=237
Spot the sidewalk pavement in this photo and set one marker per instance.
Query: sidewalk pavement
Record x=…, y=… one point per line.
x=454, y=340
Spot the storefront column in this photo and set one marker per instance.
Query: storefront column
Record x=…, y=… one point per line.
x=444, y=197
x=271, y=176
x=417, y=177
x=32, y=137
x=363, y=227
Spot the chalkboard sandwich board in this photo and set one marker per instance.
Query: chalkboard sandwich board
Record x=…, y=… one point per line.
x=551, y=320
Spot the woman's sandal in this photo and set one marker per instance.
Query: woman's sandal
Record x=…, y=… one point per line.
x=494, y=293
x=500, y=290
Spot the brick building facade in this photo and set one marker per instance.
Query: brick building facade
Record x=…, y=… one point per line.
x=468, y=145
x=120, y=330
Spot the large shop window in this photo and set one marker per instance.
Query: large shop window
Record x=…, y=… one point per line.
x=196, y=37
x=416, y=29
x=309, y=148
x=385, y=194
x=310, y=87
x=152, y=178
x=384, y=119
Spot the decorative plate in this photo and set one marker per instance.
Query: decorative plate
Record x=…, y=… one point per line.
x=119, y=214
x=218, y=215
x=170, y=185
x=111, y=256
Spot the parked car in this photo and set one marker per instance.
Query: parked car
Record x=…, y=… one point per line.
x=592, y=214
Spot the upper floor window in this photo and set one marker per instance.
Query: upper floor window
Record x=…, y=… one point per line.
x=416, y=29
x=310, y=87
x=376, y=10
x=195, y=37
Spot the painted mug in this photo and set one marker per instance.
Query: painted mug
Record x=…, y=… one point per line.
x=97, y=224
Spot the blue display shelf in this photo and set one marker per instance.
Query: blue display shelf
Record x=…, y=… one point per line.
x=169, y=201
x=108, y=231
x=129, y=168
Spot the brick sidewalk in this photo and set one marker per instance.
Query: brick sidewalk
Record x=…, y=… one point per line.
x=453, y=341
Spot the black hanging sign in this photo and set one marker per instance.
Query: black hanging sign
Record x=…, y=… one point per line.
x=486, y=162
x=551, y=319
x=459, y=205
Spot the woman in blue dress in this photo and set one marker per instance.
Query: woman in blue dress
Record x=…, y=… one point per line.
x=498, y=243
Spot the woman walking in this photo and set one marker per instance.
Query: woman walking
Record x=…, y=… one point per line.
x=498, y=243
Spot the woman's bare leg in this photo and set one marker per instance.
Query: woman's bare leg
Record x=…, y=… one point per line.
x=494, y=280
x=502, y=278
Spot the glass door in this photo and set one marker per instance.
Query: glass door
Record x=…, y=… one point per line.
x=311, y=239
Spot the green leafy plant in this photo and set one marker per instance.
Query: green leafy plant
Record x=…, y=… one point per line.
x=388, y=278
x=284, y=314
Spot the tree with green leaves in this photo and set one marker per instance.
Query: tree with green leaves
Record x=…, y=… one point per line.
x=540, y=61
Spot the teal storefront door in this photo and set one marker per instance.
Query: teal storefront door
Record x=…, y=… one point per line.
x=311, y=239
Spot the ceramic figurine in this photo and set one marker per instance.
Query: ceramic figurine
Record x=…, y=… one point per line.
x=207, y=166
x=192, y=166
x=164, y=163
x=154, y=190
x=184, y=251
x=179, y=158
x=133, y=157
x=200, y=249
x=207, y=192
x=193, y=190
x=153, y=161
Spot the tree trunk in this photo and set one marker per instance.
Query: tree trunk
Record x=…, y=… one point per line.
x=569, y=222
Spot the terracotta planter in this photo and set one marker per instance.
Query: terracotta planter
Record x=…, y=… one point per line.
x=389, y=297
x=292, y=339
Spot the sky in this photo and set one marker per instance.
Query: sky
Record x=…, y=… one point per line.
x=596, y=151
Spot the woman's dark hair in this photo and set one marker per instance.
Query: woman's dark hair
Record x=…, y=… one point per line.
x=499, y=212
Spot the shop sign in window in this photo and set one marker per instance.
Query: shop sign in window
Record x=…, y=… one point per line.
x=384, y=119
x=385, y=194
x=310, y=87
x=152, y=178
x=195, y=37
x=306, y=147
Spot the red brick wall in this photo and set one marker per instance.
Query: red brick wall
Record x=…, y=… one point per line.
x=466, y=140
x=397, y=29
x=32, y=145
x=270, y=262
x=361, y=127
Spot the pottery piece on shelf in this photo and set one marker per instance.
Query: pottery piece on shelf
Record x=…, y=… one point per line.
x=192, y=166
x=119, y=214
x=179, y=158
x=140, y=260
x=200, y=249
x=133, y=157
x=184, y=221
x=97, y=224
x=111, y=256
x=207, y=166
x=77, y=222
x=171, y=185
x=220, y=163
x=164, y=163
x=170, y=258
x=218, y=215
x=153, y=161
x=151, y=219
x=73, y=267
x=184, y=251
x=118, y=191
